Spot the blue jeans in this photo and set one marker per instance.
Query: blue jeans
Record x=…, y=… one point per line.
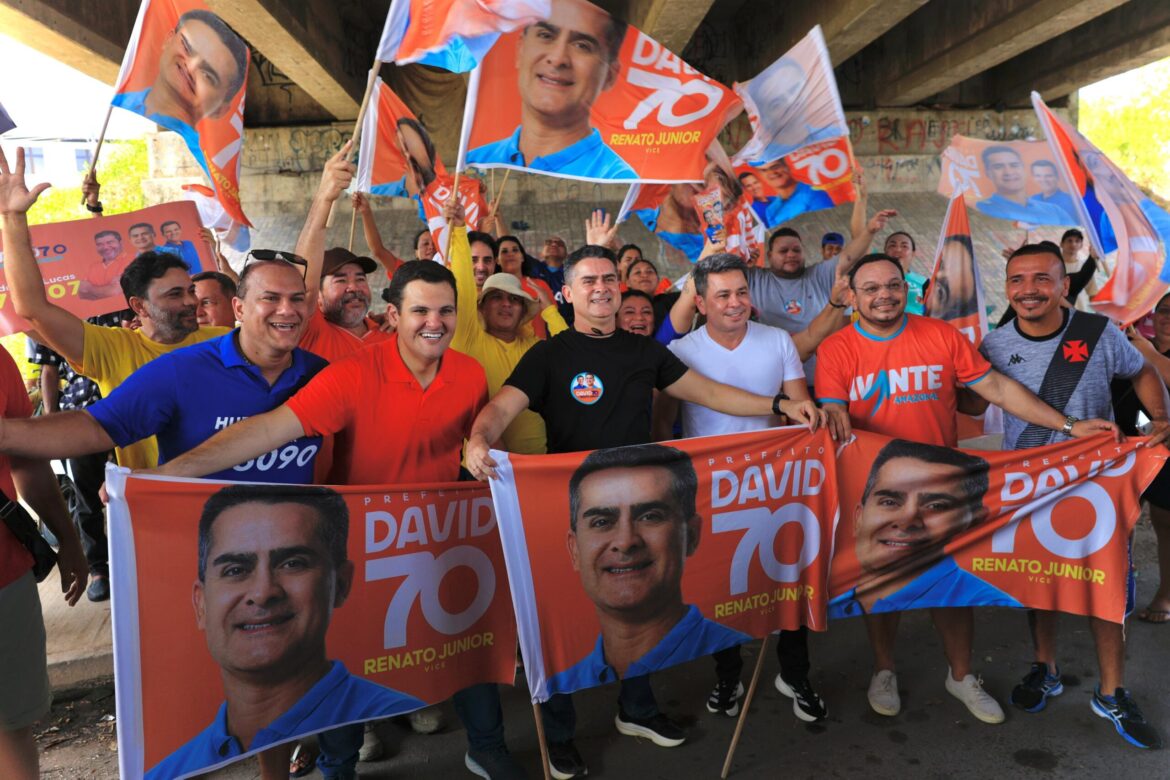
x=478, y=708
x=339, y=751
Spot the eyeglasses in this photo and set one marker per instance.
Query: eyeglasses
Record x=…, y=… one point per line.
x=874, y=289
x=275, y=255
x=553, y=242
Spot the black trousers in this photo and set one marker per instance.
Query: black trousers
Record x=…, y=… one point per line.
x=89, y=472
x=791, y=650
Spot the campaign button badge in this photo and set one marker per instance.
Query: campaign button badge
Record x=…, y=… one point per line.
x=587, y=388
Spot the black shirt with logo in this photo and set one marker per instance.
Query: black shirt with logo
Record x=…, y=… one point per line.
x=595, y=392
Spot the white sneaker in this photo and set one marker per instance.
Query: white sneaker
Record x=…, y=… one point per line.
x=883, y=693
x=372, y=747
x=970, y=691
x=428, y=720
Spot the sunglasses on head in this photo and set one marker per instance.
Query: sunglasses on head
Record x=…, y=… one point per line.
x=275, y=255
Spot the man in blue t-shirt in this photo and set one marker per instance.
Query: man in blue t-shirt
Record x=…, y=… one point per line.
x=632, y=524
x=918, y=498
x=793, y=197
x=564, y=62
x=278, y=682
x=173, y=233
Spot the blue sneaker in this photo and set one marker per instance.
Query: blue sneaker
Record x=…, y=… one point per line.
x=1127, y=718
x=1037, y=686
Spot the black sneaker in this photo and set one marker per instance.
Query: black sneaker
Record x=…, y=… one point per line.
x=494, y=765
x=658, y=729
x=1032, y=694
x=1127, y=718
x=99, y=588
x=806, y=704
x=564, y=762
x=725, y=697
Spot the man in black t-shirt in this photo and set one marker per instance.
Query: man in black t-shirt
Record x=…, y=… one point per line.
x=624, y=370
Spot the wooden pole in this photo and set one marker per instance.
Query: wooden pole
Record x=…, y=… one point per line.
x=499, y=194
x=450, y=227
x=357, y=130
x=493, y=186
x=747, y=701
x=101, y=139
x=543, y=742
x=352, y=225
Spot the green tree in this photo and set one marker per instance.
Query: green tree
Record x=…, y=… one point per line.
x=1132, y=126
x=121, y=168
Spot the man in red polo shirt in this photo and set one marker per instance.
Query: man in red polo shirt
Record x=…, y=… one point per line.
x=408, y=389
x=341, y=322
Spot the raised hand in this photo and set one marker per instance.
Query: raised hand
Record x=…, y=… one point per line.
x=600, y=230
x=453, y=211
x=338, y=174
x=15, y=196
x=878, y=223
x=361, y=203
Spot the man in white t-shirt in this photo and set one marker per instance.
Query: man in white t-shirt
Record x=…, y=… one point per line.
x=760, y=359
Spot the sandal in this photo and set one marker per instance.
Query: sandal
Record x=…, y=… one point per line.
x=1148, y=615
x=303, y=761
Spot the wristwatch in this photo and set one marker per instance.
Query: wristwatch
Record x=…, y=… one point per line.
x=95, y=208
x=776, y=403
x=1069, y=422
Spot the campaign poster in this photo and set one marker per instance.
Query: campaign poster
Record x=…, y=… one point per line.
x=929, y=526
x=816, y=177
x=186, y=70
x=793, y=103
x=1131, y=232
x=693, y=545
x=582, y=95
x=434, y=200
x=451, y=34
x=398, y=157
x=82, y=261
x=1016, y=180
x=313, y=606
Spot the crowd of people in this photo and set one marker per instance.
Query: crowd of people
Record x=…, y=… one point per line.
x=570, y=351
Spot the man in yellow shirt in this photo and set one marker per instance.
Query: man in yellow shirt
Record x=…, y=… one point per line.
x=493, y=332
x=157, y=286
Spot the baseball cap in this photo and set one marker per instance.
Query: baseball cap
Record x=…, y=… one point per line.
x=339, y=256
x=833, y=238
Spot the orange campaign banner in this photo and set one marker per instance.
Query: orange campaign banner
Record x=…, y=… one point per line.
x=1046, y=528
x=82, y=260
x=817, y=176
x=693, y=546
x=1016, y=180
x=398, y=158
x=582, y=95
x=1126, y=226
x=434, y=199
x=451, y=34
x=186, y=70
x=307, y=607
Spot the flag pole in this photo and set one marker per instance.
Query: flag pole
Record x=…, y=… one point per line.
x=500, y=192
x=447, y=248
x=357, y=129
x=352, y=225
x=101, y=139
x=542, y=740
x=747, y=701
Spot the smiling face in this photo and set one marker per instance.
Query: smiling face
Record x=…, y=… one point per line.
x=212, y=306
x=628, y=257
x=786, y=257
x=642, y=276
x=426, y=321
x=778, y=176
x=1006, y=171
x=108, y=247
x=1035, y=285
x=752, y=184
x=727, y=304
x=593, y=290
x=345, y=296
x=901, y=248
x=636, y=315
x=880, y=293
x=483, y=262
x=416, y=156
x=170, y=305
x=564, y=64
x=142, y=238
x=554, y=251
x=424, y=248
x=501, y=312
x=952, y=292
x=269, y=590
x=196, y=70
x=631, y=540
x=511, y=258
x=273, y=316
x=1045, y=176
x=172, y=232
x=914, y=508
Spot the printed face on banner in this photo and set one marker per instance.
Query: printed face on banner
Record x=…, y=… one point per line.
x=594, y=100
x=399, y=158
x=1015, y=180
x=284, y=582
x=434, y=200
x=816, y=177
x=82, y=261
x=934, y=526
x=186, y=70
x=699, y=547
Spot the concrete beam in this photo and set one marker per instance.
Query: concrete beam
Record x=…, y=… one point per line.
x=670, y=22
x=307, y=42
x=90, y=37
x=957, y=40
x=1136, y=34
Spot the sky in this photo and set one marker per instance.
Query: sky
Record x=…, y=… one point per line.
x=1128, y=84
x=52, y=100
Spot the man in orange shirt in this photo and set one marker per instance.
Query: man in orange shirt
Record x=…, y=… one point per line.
x=341, y=323
x=101, y=277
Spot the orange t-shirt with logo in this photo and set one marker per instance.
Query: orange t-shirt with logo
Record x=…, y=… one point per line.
x=902, y=385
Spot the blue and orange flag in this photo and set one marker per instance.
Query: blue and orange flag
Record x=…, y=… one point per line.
x=451, y=34
x=186, y=70
x=1127, y=227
